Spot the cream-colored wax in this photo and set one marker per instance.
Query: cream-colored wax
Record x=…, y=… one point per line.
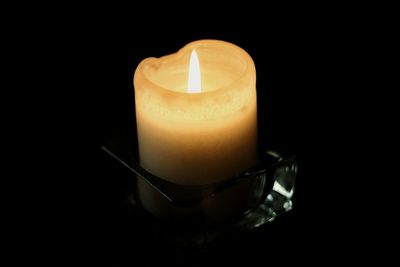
x=196, y=138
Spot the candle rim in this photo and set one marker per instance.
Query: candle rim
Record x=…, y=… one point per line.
x=139, y=73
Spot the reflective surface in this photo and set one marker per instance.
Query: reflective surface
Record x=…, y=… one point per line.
x=269, y=188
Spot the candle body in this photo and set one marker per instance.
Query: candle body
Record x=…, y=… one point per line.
x=196, y=139
x=198, y=153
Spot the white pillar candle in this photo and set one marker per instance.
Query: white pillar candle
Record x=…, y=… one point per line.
x=196, y=115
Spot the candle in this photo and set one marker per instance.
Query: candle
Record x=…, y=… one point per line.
x=196, y=117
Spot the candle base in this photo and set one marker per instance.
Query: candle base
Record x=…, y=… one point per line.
x=197, y=215
x=186, y=236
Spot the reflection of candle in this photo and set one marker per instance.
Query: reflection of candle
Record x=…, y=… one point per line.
x=196, y=125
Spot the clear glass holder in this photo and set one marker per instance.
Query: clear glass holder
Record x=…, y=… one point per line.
x=270, y=184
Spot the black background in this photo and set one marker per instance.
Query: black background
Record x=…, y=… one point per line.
x=304, y=67
x=322, y=83
x=295, y=87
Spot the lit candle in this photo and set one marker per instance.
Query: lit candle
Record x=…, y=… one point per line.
x=196, y=116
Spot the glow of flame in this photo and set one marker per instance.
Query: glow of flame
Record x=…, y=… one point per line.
x=194, y=79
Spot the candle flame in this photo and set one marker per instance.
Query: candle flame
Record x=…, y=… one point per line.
x=194, y=80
